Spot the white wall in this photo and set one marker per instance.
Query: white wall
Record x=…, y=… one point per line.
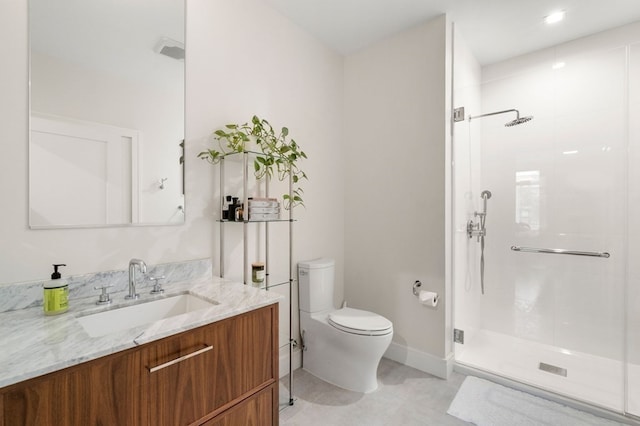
x=395, y=131
x=243, y=58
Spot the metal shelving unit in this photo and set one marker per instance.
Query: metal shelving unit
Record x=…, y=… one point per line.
x=246, y=224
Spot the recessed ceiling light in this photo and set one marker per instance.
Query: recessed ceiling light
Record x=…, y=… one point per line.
x=558, y=65
x=570, y=152
x=554, y=18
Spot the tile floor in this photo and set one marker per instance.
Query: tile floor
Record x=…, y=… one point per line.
x=405, y=396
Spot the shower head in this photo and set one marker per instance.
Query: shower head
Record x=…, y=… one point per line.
x=485, y=195
x=518, y=120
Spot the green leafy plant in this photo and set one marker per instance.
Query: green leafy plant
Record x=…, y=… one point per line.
x=278, y=155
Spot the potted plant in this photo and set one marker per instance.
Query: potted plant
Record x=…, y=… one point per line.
x=279, y=155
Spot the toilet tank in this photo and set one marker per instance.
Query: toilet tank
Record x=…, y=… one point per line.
x=315, y=283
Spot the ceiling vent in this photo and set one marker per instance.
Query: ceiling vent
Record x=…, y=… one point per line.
x=171, y=48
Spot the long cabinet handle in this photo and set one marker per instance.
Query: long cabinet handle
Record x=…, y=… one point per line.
x=180, y=359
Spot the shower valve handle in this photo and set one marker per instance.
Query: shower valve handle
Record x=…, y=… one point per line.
x=474, y=229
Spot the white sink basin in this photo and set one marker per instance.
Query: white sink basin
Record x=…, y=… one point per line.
x=131, y=316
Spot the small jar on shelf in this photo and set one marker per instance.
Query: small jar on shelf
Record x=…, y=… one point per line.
x=257, y=273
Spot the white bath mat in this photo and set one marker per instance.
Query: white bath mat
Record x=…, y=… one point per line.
x=485, y=403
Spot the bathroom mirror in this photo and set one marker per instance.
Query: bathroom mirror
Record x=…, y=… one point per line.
x=106, y=113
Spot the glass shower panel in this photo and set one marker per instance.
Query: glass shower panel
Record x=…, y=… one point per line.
x=559, y=181
x=633, y=283
x=466, y=191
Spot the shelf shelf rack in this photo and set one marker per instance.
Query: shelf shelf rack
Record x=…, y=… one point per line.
x=246, y=155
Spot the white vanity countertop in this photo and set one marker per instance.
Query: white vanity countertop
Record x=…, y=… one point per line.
x=33, y=344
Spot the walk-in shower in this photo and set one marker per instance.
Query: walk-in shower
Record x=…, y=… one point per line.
x=545, y=218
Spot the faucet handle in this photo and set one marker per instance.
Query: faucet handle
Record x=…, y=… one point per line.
x=157, y=286
x=104, y=298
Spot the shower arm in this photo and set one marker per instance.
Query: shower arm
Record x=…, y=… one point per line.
x=497, y=113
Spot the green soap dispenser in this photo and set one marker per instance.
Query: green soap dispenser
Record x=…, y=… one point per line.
x=56, y=293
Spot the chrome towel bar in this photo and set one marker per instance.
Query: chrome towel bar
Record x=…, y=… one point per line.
x=560, y=251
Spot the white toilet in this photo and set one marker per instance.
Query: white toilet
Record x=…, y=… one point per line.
x=341, y=346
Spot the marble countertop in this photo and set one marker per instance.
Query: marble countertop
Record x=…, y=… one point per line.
x=34, y=344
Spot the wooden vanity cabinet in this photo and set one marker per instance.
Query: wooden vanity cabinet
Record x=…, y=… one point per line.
x=224, y=373
x=100, y=392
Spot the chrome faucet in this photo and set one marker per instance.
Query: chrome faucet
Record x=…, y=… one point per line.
x=132, y=277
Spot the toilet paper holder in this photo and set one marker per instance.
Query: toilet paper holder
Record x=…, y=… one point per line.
x=416, y=288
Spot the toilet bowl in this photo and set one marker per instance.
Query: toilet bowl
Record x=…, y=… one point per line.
x=341, y=346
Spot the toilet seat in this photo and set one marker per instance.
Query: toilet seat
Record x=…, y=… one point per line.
x=356, y=321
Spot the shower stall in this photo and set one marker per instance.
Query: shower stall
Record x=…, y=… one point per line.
x=546, y=218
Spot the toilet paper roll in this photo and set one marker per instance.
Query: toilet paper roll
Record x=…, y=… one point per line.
x=428, y=298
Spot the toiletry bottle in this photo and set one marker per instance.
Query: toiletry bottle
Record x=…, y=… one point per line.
x=225, y=207
x=232, y=209
x=56, y=293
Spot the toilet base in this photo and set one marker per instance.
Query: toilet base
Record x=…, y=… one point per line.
x=349, y=361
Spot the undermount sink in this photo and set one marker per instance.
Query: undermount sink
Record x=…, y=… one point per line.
x=119, y=319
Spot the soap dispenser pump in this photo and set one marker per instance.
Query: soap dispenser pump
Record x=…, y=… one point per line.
x=56, y=293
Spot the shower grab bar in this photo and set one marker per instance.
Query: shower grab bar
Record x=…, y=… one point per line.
x=560, y=251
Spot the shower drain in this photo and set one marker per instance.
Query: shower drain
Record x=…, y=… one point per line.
x=553, y=369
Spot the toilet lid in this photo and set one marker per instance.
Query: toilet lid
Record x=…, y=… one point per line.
x=361, y=322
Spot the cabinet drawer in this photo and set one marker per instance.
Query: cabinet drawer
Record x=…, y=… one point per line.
x=192, y=375
x=257, y=410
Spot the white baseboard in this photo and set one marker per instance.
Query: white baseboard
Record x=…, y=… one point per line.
x=423, y=361
x=284, y=361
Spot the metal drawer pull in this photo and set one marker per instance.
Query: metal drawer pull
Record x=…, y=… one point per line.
x=182, y=358
x=561, y=251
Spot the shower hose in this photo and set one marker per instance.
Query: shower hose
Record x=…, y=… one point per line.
x=482, y=264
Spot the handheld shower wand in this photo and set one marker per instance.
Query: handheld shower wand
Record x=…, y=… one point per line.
x=485, y=195
x=479, y=231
